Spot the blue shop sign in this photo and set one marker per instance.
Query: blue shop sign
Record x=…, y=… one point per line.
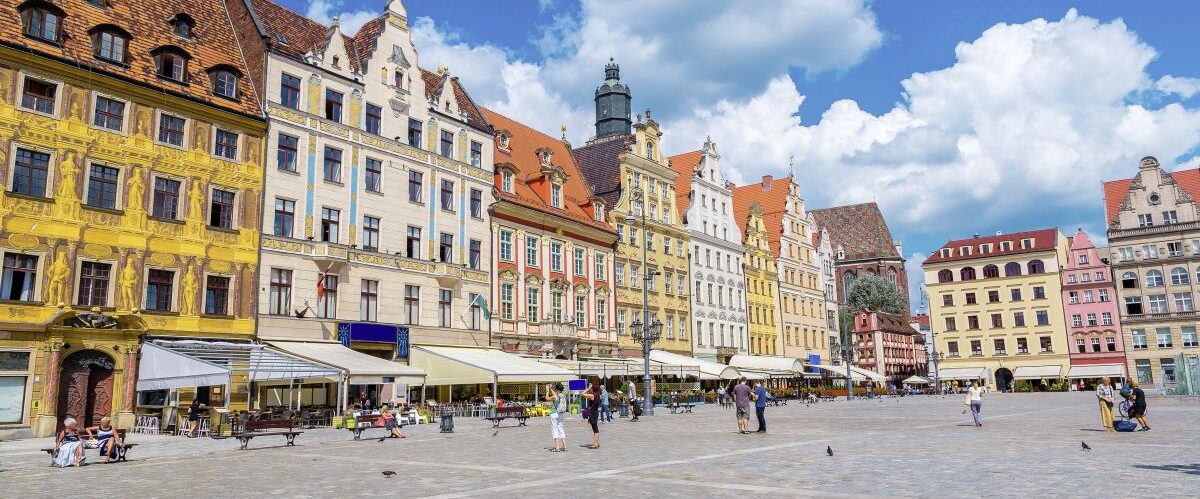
x=366, y=331
x=814, y=360
x=401, y=342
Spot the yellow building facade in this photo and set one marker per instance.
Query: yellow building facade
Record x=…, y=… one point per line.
x=130, y=210
x=995, y=306
x=761, y=277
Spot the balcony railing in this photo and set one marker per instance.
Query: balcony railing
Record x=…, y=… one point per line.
x=1160, y=317
x=1155, y=229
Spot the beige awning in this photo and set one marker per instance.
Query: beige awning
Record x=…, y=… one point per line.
x=708, y=370
x=362, y=369
x=1037, y=372
x=917, y=380
x=869, y=374
x=600, y=368
x=838, y=371
x=767, y=363
x=963, y=373
x=481, y=365
x=1097, y=371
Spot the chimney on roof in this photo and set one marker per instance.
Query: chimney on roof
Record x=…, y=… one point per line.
x=729, y=185
x=976, y=235
x=766, y=182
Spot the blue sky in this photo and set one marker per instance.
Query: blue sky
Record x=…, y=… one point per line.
x=957, y=117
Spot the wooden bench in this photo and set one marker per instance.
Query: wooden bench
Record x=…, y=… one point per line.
x=683, y=407
x=361, y=426
x=283, y=427
x=119, y=455
x=502, y=413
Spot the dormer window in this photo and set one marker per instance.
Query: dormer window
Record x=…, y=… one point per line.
x=506, y=181
x=503, y=138
x=599, y=207
x=109, y=43
x=171, y=63
x=337, y=62
x=556, y=195
x=945, y=252
x=545, y=155
x=43, y=21
x=649, y=149
x=224, y=82
x=182, y=25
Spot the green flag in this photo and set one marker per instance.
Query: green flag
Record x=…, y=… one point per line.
x=483, y=306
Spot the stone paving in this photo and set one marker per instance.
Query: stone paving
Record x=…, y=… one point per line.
x=1029, y=446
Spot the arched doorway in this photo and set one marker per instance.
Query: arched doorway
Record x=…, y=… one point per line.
x=86, y=387
x=1004, y=379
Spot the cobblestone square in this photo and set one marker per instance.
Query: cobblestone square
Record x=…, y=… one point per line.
x=1029, y=446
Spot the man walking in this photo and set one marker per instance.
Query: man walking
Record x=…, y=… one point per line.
x=741, y=401
x=605, y=414
x=633, y=400
x=760, y=406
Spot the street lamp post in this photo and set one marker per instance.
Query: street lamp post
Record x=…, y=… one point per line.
x=848, y=358
x=645, y=331
x=937, y=378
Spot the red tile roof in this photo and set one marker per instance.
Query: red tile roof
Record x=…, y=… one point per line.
x=213, y=43
x=524, y=142
x=1116, y=190
x=302, y=34
x=859, y=229
x=1043, y=240
x=774, y=204
x=684, y=165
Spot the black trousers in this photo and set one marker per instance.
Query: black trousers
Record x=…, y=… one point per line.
x=761, y=412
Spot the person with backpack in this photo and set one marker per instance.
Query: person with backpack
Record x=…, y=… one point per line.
x=558, y=407
x=1138, y=410
x=1104, y=392
x=592, y=413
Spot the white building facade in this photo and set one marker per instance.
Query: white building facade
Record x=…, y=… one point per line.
x=824, y=263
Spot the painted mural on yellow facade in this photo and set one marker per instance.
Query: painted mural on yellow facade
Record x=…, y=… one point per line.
x=127, y=213
x=761, y=276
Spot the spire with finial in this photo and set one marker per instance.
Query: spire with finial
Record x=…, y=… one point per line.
x=564, y=131
x=792, y=166
x=336, y=23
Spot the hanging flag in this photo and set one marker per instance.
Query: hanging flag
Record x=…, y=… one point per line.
x=481, y=302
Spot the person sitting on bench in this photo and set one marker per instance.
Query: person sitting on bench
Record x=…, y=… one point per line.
x=68, y=448
x=110, y=441
x=388, y=421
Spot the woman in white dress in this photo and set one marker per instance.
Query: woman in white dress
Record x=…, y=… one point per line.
x=68, y=448
x=558, y=407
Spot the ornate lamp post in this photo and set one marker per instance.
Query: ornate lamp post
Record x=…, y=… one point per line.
x=847, y=351
x=647, y=335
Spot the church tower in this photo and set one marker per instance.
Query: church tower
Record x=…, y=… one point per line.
x=613, y=104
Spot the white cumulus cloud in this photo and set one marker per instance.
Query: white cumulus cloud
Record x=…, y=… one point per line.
x=323, y=11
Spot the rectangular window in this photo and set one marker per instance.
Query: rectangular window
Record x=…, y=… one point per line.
x=327, y=297
x=506, y=246
x=285, y=157
x=447, y=149
x=1183, y=302
x=170, y=129
x=159, y=285
x=556, y=195
x=102, y=187
x=226, y=145
x=374, y=118
x=951, y=324
x=1188, y=336
x=216, y=295
x=506, y=301
x=1106, y=318
x=556, y=306
x=1088, y=296
x=1022, y=345
x=1170, y=217
x=620, y=322
x=415, y=182
x=952, y=348
x=993, y=296
x=580, y=310
x=289, y=91
x=109, y=114
x=476, y=154
x=30, y=173
x=1039, y=293
x=1145, y=220
x=445, y=301
x=1073, y=297
x=476, y=315
x=1110, y=344
x=1157, y=304
x=1095, y=345
x=1150, y=251
x=281, y=292
x=972, y=322
x=1139, y=339
x=1174, y=249
x=370, y=233
x=41, y=23
x=601, y=313
x=1163, y=337
x=998, y=346
x=39, y=96
x=1133, y=305
x=976, y=348
x=997, y=321
x=412, y=304
x=333, y=164
x=414, y=133
x=1016, y=294
x=166, y=199
x=947, y=300
x=579, y=262
x=368, y=298
x=220, y=209
x=531, y=251
x=447, y=196
x=1043, y=318
x=285, y=217
x=473, y=258
x=20, y=277
x=1091, y=319
x=620, y=271
x=1076, y=320
x=374, y=175
x=412, y=244
x=1103, y=295
x=476, y=203
x=333, y=105
x=970, y=298
x=1080, y=345
x=506, y=181
x=532, y=305
x=446, y=247
x=1046, y=345
x=331, y=220
x=556, y=256
x=600, y=271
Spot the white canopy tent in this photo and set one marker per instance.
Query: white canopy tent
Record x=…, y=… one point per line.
x=963, y=373
x=840, y=372
x=869, y=374
x=1097, y=371
x=917, y=380
x=1037, y=372
x=767, y=363
x=708, y=370
x=600, y=368
x=481, y=365
x=353, y=368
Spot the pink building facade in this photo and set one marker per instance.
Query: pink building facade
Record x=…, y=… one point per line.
x=1093, y=318
x=888, y=345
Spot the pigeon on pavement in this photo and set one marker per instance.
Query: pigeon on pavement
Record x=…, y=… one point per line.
x=828, y=450
x=1085, y=446
x=388, y=474
x=497, y=432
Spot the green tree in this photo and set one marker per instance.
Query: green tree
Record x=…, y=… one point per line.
x=876, y=294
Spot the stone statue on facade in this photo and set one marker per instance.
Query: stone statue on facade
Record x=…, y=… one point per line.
x=56, y=285
x=129, y=284
x=187, y=304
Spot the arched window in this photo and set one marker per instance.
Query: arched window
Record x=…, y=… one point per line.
x=1179, y=275
x=1012, y=269
x=42, y=20
x=848, y=281
x=182, y=24
x=1036, y=267
x=892, y=276
x=945, y=275
x=1154, y=279
x=110, y=43
x=990, y=271
x=967, y=274
x=171, y=63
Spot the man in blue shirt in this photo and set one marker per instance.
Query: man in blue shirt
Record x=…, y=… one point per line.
x=760, y=406
x=605, y=414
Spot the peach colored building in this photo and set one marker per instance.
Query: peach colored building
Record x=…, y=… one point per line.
x=1093, y=317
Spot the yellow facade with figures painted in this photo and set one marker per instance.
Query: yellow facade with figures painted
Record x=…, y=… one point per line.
x=130, y=210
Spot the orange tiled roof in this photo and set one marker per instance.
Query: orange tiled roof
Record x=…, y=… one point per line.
x=1043, y=240
x=684, y=165
x=773, y=201
x=1116, y=190
x=212, y=44
x=524, y=142
x=300, y=34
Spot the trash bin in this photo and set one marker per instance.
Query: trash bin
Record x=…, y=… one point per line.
x=623, y=410
x=447, y=417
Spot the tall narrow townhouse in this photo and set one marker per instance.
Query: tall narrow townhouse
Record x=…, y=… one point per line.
x=629, y=173
x=997, y=304
x=718, y=286
x=553, y=267
x=761, y=274
x=825, y=262
x=1154, y=246
x=1093, y=315
x=130, y=144
x=378, y=185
